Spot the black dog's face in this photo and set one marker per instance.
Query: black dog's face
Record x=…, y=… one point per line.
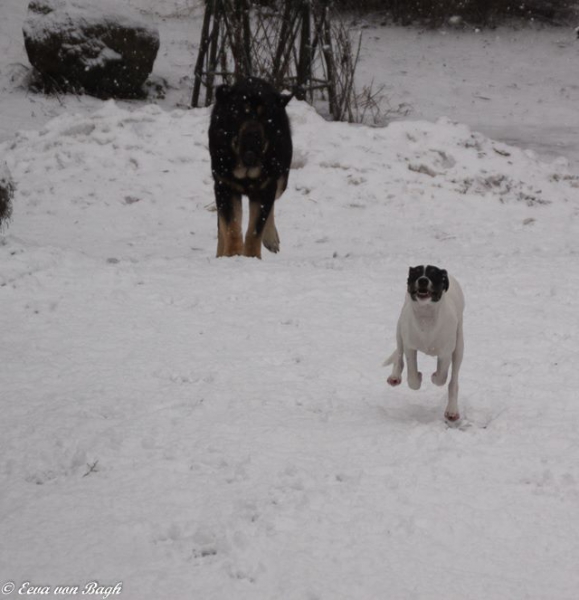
x=427, y=283
x=251, y=109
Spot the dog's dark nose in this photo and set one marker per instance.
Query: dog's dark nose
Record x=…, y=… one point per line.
x=422, y=282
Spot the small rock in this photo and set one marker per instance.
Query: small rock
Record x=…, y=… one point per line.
x=6, y=194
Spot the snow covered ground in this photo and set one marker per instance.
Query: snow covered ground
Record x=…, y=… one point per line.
x=203, y=428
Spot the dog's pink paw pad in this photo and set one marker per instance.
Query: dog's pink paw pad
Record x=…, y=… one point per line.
x=394, y=381
x=451, y=417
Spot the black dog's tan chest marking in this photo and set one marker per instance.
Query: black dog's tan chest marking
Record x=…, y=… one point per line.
x=243, y=172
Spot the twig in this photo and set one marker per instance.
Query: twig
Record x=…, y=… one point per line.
x=91, y=468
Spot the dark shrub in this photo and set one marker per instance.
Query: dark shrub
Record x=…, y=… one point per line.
x=436, y=12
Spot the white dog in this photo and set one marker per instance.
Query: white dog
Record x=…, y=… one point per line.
x=430, y=321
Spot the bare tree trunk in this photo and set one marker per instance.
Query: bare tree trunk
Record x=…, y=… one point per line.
x=203, y=45
x=304, y=71
x=212, y=62
x=246, y=35
x=277, y=72
x=330, y=67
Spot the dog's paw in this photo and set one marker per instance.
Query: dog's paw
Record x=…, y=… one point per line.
x=451, y=417
x=415, y=381
x=271, y=239
x=439, y=379
x=394, y=381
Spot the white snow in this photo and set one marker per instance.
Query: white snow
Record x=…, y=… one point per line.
x=512, y=84
x=105, y=56
x=202, y=428
x=53, y=15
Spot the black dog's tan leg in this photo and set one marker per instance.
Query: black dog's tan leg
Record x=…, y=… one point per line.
x=255, y=227
x=260, y=206
x=220, y=241
x=229, y=237
x=229, y=216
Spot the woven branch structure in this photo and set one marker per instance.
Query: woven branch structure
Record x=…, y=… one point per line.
x=297, y=45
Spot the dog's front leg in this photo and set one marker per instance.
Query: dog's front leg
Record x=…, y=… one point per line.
x=229, y=215
x=451, y=413
x=260, y=207
x=397, y=368
x=397, y=360
x=414, y=375
x=442, y=366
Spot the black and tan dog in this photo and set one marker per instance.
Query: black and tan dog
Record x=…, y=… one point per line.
x=251, y=152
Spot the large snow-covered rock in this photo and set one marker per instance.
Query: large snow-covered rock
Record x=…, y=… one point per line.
x=6, y=193
x=91, y=45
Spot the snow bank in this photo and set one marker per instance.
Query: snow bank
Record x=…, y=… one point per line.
x=207, y=428
x=158, y=161
x=168, y=9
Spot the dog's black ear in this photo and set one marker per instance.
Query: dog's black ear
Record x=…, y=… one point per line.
x=284, y=99
x=299, y=91
x=445, y=281
x=223, y=92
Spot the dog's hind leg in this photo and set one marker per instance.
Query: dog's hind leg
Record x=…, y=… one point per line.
x=451, y=413
x=270, y=235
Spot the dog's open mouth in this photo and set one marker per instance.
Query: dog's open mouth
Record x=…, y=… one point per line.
x=423, y=295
